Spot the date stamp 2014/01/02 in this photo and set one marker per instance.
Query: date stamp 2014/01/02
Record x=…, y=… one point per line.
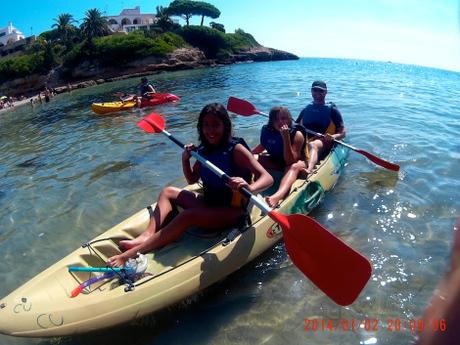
x=373, y=325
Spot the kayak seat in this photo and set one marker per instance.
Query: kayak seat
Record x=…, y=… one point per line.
x=204, y=233
x=242, y=223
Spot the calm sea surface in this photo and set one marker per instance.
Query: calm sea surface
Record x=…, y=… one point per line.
x=67, y=175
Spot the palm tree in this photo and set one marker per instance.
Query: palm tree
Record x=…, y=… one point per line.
x=94, y=25
x=163, y=19
x=64, y=25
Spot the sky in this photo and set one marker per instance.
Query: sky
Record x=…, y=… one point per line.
x=419, y=32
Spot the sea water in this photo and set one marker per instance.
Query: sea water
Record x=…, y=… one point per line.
x=67, y=175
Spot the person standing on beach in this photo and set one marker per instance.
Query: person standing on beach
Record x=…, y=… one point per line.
x=48, y=94
x=321, y=117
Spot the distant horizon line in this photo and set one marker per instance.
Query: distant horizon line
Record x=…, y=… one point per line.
x=379, y=61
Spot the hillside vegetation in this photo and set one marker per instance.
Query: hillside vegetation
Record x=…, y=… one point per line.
x=68, y=46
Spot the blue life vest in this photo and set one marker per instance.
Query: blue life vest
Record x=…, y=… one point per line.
x=316, y=117
x=215, y=191
x=145, y=89
x=272, y=141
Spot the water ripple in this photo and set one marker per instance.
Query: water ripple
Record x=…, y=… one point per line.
x=66, y=175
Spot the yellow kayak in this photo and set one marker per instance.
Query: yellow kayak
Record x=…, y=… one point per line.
x=110, y=107
x=155, y=99
x=47, y=304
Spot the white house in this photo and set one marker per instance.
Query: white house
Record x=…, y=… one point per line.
x=10, y=34
x=131, y=19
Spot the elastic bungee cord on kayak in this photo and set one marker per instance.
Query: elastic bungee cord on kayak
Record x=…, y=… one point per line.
x=134, y=269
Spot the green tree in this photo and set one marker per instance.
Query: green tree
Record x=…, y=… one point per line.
x=49, y=56
x=163, y=20
x=217, y=26
x=187, y=8
x=181, y=8
x=50, y=35
x=64, y=26
x=206, y=10
x=94, y=25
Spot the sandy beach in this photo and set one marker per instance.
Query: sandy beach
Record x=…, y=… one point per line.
x=19, y=104
x=23, y=102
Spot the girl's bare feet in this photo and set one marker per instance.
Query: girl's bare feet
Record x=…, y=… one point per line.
x=273, y=200
x=128, y=244
x=117, y=261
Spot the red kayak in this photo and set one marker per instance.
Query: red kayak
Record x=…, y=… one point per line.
x=159, y=98
x=155, y=99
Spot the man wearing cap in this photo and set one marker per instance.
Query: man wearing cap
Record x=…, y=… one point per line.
x=321, y=117
x=146, y=90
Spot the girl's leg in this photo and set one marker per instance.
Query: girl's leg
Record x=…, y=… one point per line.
x=286, y=183
x=168, y=197
x=267, y=163
x=208, y=218
x=315, y=147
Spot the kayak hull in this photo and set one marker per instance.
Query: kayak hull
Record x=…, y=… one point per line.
x=110, y=107
x=159, y=98
x=42, y=307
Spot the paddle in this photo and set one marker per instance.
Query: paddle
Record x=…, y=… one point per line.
x=334, y=267
x=133, y=267
x=95, y=269
x=124, y=97
x=243, y=107
x=75, y=292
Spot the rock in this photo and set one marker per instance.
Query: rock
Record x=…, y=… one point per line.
x=90, y=73
x=187, y=54
x=21, y=86
x=85, y=84
x=60, y=89
x=264, y=54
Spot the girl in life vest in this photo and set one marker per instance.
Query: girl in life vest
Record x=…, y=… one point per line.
x=216, y=207
x=284, y=143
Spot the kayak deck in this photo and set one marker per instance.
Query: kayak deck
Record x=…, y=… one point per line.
x=42, y=307
x=110, y=107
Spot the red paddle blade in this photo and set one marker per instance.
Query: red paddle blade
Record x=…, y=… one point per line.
x=333, y=266
x=241, y=107
x=152, y=123
x=379, y=161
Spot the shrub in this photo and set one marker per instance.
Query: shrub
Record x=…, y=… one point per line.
x=77, y=55
x=210, y=41
x=50, y=35
x=240, y=40
x=22, y=66
x=116, y=49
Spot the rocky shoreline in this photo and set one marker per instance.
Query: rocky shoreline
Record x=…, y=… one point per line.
x=88, y=74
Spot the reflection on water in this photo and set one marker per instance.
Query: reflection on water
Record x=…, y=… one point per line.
x=66, y=175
